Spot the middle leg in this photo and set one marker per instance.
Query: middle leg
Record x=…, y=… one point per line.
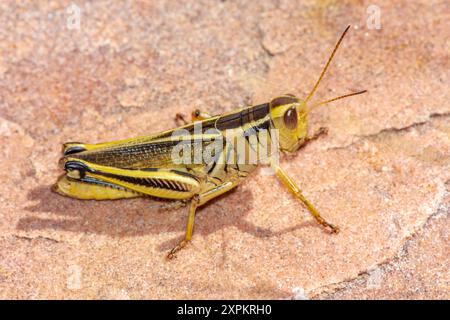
x=197, y=201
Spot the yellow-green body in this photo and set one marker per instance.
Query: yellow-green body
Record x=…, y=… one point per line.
x=145, y=166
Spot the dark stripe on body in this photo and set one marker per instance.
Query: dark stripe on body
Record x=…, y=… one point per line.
x=243, y=117
x=280, y=101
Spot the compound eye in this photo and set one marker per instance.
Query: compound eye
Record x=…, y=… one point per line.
x=290, y=118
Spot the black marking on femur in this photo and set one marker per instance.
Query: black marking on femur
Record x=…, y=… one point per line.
x=75, y=165
x=73, y=150
x=184, y=173
x=150, y=182
x=105, y=184
x=280, y=101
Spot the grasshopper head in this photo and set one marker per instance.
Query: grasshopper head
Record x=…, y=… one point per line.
x=289, y=115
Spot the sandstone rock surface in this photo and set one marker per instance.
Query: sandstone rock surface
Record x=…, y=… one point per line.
x=382, y=173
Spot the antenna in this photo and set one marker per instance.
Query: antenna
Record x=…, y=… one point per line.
x=328, y=63
x=337, y=98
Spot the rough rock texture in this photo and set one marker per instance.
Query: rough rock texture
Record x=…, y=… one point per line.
x=382, y=173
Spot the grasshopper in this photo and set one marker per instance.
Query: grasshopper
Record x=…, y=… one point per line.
x=145, y=166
